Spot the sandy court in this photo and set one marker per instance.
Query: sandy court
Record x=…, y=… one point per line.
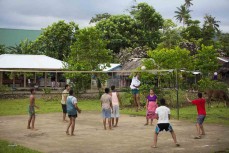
x=130, y=137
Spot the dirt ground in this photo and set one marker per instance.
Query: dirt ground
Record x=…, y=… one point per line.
x=130, y=137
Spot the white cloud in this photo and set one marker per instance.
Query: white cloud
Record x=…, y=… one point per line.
x=36, y=14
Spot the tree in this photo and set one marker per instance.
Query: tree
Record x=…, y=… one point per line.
x=24, y=47
x=170, y=35
x=55, y=40
x=182, y=15
x=148, y=23
x=99, y=17
x=210, y=29
x=206, y=60
x=3, y=49
x=224, y=44
x=86, y=54
x=171, y=58
x=188, y=3
x=119, y=31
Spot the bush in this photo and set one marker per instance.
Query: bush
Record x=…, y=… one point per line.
x=4, y=88
x=47, y=90
x=206, y=83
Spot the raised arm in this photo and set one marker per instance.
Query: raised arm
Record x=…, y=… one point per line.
x=188, y=99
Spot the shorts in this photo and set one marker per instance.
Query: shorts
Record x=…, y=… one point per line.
x=75, y=116
x=115, y=113
x=135, y=91
x=64, y=108
x=31, y=110
x=106, y=113
x=200, y=119
x=163, y=126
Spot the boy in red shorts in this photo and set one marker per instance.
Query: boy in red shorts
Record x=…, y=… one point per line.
x=200, y=105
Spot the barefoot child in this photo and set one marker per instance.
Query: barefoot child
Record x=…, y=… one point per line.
x=200, y=105
x=106, y=105
x=115, y=103
x=32, y=110
x=163, y=116
x=72, y=109
x=151, y=105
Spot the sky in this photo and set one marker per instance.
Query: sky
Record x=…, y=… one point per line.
x=37, y=14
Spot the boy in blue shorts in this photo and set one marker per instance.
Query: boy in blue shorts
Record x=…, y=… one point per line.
x=163, y=117
x=106, y=104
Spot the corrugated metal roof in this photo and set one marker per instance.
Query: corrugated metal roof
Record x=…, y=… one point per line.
x=110, y=68
x=21, y=61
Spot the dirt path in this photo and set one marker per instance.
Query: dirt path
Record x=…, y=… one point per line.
x=130, y=137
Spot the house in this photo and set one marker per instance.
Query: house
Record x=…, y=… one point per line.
x=19, y=70
x=224, y=68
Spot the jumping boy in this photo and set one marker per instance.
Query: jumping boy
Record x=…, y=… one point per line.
x=200, y=105
x=163, y=117
x=106, y=104
x=115, y=103
x=72, y=110
x=32, y=110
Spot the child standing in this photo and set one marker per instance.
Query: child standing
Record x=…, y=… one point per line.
x=200, y=106
x=72, y=109
x=32, y=110
x=163, y=116
x=151, y=105
x=115, y=103
x=106, y=104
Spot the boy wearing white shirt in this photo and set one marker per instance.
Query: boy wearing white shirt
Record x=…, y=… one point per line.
x=163, y=116
x=135, y=84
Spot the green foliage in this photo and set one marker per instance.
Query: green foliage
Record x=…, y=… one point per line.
x=183, y=14
x=148, y=23
x=224, y=44
x=210, y=29
x=3, y=49
x=8, y=147
x=119, y=31
x=171, y=58
x=4, y=88
x=99, y=17
x=206, y=60
x=47, y=90
x=170, y=35
x=24, y=47
x=86, y=54
x=206, y=84
x=55, y=40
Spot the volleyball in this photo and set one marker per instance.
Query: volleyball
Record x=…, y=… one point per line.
x=143, y=67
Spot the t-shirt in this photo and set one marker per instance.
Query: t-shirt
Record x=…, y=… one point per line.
x=65, y=93
x=163, y=114
x=106, y=101
x=151, y=98
x=114, y=97
x=134, y=82
x=200, y=106
x=71, y=101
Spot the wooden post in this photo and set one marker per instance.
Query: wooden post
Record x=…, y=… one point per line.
x=35, y=78
x=1, y=74
x=13, y=79
x=56, y=83
x=24, y=80
x=45, y=79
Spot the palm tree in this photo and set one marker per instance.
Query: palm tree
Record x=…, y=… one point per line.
x=210, y=21
x=182, y=14
x=188, y=3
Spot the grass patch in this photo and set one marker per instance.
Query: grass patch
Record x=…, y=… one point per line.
x=20, y=106
x=217, y=115
x=8, y=147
